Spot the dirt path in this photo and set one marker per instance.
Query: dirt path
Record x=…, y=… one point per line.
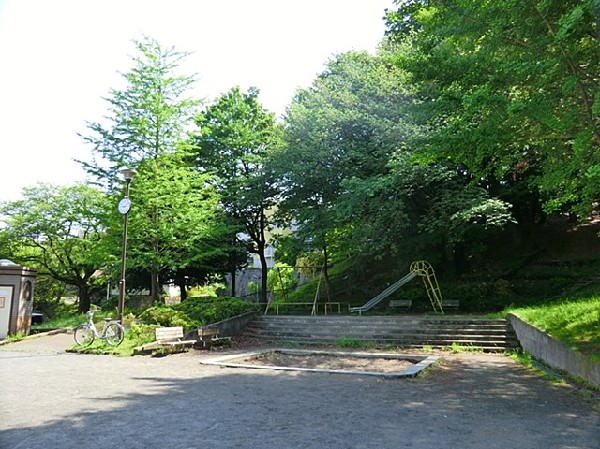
x=51, y=399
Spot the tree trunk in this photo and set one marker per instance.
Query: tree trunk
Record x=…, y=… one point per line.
x=154, y=285
x=182, y=290
x=325, y=269
x=84, y=299
x=233, y=282
x=263, y=279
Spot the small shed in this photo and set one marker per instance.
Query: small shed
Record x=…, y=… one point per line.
x=16, y=298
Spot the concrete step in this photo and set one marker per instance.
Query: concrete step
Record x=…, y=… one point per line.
x=403, y=331
x=388, y=326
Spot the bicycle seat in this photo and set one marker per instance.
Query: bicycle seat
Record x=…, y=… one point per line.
x=107, y=319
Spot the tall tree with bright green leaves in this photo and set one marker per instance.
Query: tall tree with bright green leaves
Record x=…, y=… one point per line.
x=176, y=222
x=235, y=139
x=174, y=213
x=149, y=117
x=61, y=231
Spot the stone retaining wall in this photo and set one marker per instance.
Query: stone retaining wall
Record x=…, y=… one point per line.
x=230, y=327
x=554, y=353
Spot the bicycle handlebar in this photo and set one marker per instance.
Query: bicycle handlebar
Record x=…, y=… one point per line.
x=90, y=313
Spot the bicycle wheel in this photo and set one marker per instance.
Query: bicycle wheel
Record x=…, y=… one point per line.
x=83, y=335
x=114, y=334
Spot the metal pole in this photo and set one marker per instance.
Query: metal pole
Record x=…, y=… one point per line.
x=122, y=286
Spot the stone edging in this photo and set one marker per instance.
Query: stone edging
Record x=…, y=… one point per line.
x=553, y=352
x=421, y=362
x=61, y=330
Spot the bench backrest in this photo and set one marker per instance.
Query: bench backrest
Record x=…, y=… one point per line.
x=168, y=333
x=210, y=332
x=451, y=303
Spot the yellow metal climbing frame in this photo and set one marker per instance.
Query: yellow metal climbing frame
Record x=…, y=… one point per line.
x=424, y=269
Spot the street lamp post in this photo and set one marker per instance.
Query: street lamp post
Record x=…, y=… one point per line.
x=124, y=206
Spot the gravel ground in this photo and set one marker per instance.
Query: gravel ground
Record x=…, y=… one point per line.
x=51, y=399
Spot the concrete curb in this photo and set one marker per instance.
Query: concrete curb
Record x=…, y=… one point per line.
x=421, y=362
x=41, y=334
x=553, y=352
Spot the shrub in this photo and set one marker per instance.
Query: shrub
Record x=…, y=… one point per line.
x=196, y=312
x=162, y=315
x=202, y=311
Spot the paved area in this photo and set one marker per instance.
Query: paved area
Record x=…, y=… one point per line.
x=52, y=399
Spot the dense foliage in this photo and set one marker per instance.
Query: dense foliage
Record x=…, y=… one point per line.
x=197, y=312
x=61, y=231
x=509, y=91
x=352, y=179
x=175, y=219
x=236, y=138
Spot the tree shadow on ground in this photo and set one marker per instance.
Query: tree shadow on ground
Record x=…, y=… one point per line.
x=462, y=403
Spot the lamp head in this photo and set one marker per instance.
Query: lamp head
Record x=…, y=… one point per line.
x=127, y=173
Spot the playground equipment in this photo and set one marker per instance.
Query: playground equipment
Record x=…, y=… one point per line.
x=420, y=268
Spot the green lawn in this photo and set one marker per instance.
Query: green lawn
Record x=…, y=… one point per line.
x=575, y=322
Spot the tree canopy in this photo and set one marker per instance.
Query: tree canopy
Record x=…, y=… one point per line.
x=346, y=125
x=174, y=222
x=510, y=92
x=235, y=139
x=471, y=116
x=61, y=231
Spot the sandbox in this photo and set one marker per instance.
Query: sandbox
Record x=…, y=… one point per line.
x=338, y=362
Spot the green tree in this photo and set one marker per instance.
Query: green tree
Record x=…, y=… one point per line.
x=234, y=142
x=174, y=219
x=281, y=280
x=418, y=211
x=148, y=118
x=351, y=178
x=346, y=125
x=61, y=232
x=510, y=92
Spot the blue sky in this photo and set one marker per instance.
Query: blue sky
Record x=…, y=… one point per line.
x=61, y=57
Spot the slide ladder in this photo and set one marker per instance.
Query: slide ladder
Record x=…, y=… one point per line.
x=420, y=268
x=425, y=270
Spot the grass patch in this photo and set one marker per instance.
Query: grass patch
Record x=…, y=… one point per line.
x=135, y=335
x=355, y=343
x=14, y=338
x=72, y=320
x=457, y=348
x=574, y=322
x=60, y=322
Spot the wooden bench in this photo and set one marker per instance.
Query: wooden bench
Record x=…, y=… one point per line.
x=171, y=336
x=209, y=335
x=450, y=304
x=401, y=303
x=168, y=339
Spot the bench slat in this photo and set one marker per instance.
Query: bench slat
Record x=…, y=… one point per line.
x=178, y=342
x=168, y=333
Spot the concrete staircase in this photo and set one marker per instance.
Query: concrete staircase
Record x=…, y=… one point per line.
x=406, y=331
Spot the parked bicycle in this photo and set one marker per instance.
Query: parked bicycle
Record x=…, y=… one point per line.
x=112, y=331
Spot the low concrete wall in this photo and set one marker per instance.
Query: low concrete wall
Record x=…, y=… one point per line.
x=229, y=327
x=554, y=353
